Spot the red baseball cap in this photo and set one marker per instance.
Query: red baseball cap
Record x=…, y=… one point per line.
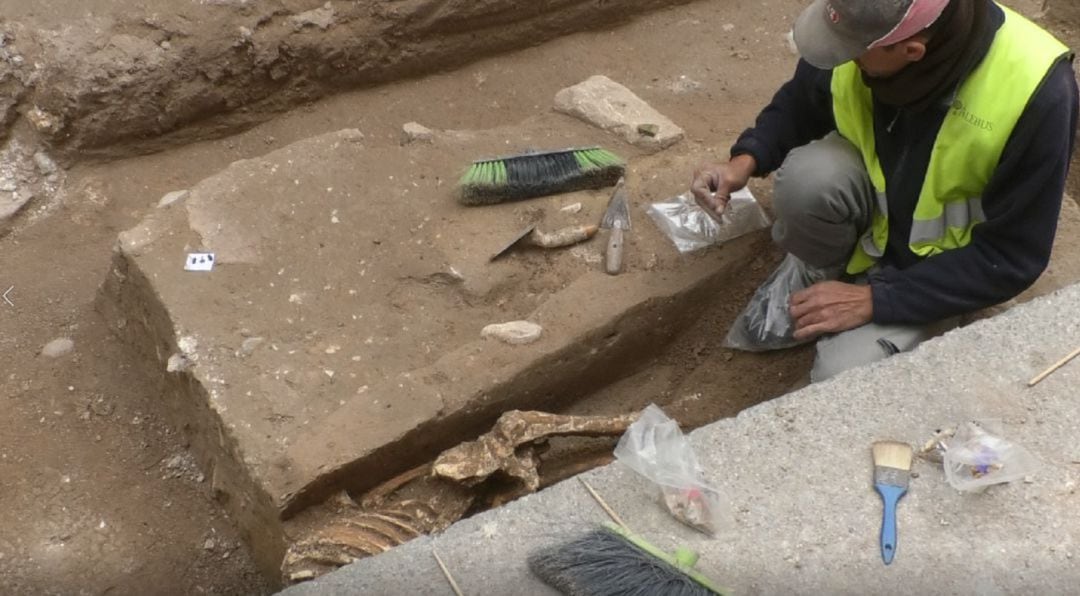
x=831, y=32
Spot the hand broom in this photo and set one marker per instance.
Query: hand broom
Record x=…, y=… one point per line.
x=530, y=175
x=611, y=561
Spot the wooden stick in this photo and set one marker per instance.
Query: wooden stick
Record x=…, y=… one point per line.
x=446, y=572
x=1054, y=368
x=603, y=504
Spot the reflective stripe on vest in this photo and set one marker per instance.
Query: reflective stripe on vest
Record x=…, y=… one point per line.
x=968, y=147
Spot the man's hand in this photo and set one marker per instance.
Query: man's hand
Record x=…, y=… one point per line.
x=713, y=184
x=830, y=307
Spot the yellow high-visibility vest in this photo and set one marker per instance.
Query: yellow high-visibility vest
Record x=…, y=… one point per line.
x=968, y=147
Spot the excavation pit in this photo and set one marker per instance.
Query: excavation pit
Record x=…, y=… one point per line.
x=337, y=340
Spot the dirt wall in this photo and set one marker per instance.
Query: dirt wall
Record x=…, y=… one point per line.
x=114, y=87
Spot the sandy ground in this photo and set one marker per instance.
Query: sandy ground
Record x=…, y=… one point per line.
x=100, y=496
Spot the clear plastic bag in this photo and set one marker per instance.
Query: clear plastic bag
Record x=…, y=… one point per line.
x=692, y=228
x=766, y=324
x=975, y=459
x=656, y=448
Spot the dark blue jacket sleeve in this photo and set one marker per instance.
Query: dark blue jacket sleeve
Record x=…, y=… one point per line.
x=1012, y=248
x=800, y=112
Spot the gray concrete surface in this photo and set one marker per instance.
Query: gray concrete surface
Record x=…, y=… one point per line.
x=797, y=471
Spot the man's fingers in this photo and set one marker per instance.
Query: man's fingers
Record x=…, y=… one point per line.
x=810, y=332
x=803, y=303
x=720, y=202
x=700, y=187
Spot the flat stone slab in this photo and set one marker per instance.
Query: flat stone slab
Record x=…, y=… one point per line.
x=604, y=103
x=798, y=474
x=338, y=339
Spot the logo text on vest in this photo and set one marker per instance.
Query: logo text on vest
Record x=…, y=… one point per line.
x=961, y=110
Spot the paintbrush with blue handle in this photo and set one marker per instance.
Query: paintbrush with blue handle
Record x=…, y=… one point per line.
x=892, y=472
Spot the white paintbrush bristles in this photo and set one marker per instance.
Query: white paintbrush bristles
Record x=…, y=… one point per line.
x=893, y=454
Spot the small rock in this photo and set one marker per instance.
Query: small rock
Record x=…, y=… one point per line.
x=728, y=27
x=209, y=544
x=177, y=363
x=165, y=45
x=250, y=344
x=741, y=55
x=649, y=130
x=415, y=132
x=58, y=347
x=574, y=208
x=43, y=121
x=175, y=462
x=173, y=197
x=8, y=185
x=515, y=333
x=44, y=163
x=188, y=345
x=320, y=17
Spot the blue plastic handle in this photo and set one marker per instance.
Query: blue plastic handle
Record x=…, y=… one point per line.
x=890, y=495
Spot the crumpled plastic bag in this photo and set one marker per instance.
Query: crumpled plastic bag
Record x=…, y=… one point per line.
x=975, y=459
x=692, y=228
x=766, y=323
x=656, y=448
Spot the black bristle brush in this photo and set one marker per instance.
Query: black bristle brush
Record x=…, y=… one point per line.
x=530, y=175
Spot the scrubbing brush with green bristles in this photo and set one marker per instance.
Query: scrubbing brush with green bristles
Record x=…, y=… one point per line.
x=610, y=561
x=512, y=178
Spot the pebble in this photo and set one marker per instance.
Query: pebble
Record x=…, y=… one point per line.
x=572, y=208
x=250, y=344
x=58, y=347
x=44, y=163
x=515, y=333
x=649, y=130
x=173, y=197
x=177, y=363
x=188, y=344
x=415, y=132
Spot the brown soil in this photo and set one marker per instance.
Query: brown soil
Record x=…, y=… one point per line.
x=101, y=496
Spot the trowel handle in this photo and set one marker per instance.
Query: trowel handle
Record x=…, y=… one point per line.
x=613, y=256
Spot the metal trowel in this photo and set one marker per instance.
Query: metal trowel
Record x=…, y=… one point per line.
x=617, y=220
x=517, y=238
